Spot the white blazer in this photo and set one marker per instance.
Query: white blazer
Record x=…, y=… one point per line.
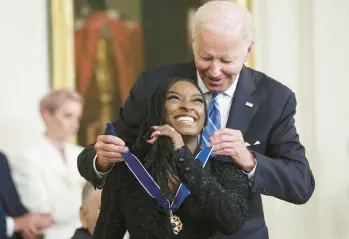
x=47, y=184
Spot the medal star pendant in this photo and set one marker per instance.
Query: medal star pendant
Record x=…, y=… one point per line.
x=176, y=224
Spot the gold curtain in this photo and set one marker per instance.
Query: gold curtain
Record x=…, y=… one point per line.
x=62, y=44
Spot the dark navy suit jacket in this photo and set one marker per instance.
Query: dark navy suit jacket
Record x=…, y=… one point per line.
x=282, y=168
x=10, y=203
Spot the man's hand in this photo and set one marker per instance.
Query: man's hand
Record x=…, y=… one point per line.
x=109, y=149
x=32, y=225
x=231, y=143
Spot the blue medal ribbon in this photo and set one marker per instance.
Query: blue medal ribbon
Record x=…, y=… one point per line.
x=149, y=184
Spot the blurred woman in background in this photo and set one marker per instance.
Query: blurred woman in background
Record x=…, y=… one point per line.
x=47, y=175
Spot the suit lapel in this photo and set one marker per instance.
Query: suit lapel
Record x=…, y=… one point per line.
x=244, y=105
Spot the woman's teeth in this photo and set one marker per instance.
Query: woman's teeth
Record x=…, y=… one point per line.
x=186, y=119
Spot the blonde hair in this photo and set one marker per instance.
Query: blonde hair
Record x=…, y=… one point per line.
x=56, y=98
x=223, y=17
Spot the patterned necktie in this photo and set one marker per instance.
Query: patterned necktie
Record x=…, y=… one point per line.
x=213, y=120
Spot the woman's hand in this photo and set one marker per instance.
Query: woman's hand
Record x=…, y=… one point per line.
x=166, y=130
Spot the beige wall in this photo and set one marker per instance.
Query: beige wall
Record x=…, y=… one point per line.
x=304, y=44
x=24, y=72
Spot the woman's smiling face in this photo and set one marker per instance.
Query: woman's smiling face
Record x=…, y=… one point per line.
x=185, y=108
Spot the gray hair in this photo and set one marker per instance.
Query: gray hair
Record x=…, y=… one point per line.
x=223, y=17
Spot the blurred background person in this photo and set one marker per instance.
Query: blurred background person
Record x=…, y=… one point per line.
x=15, y=220
x=89, y=211
x=47, y=175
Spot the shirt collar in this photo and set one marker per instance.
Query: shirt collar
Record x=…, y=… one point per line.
x=229, y=92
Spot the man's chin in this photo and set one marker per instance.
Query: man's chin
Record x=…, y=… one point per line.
x=214, y=86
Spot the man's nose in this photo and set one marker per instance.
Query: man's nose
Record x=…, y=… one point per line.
x=215, y=69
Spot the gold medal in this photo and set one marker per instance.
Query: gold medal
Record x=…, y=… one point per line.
x=176, y=223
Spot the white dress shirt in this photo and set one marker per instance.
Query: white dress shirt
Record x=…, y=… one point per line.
x=10, y=226
x=224, y=102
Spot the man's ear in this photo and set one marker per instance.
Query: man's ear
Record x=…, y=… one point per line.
x=193, y=45
x=249, y=50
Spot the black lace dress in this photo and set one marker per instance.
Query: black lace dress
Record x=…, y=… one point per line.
x=217, y=203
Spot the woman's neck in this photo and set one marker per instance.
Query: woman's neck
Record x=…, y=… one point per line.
x=191, y=142
x=55, y=140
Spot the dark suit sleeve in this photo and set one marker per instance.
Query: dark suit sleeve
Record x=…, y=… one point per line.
x=8, y=193
x=85, y=166
x=126, y=127
x=285, y=174
x=222, y=194
x=9, y=198
x=2, y=223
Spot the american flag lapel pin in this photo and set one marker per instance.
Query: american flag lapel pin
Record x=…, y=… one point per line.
x=249, y=104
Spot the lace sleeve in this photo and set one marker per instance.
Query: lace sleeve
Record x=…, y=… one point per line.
x=111, y=223
x=222, y=192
